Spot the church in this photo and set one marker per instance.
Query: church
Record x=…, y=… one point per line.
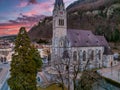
x=78, y=45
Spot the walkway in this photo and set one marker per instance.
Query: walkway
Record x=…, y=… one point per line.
x=43, y=76
x=3, y=78
x=46, y=82
x=111, y=73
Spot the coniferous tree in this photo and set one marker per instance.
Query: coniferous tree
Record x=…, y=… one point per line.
x=36, y=57
x=24, y=64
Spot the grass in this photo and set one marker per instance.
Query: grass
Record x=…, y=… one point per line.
x=52, y=87
x=115, y=83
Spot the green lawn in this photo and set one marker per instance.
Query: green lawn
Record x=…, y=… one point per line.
x=52, y=87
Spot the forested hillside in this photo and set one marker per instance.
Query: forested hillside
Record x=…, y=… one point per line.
x=103, y=20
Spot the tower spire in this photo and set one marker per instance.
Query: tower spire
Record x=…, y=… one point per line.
x=59, y=3
x=59, y=27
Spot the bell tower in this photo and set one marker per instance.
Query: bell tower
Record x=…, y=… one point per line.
x=59, y=21
x=59, y=25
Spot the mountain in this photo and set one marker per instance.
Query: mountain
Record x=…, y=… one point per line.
x=9, y=37
x=42, y=31
x=85, y=5
x=102, y=17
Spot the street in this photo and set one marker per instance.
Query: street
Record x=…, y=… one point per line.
x=4, y=74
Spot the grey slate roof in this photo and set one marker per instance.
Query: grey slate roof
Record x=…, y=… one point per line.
x=82, y=38
x=107, y=49
x=85, y=38
x=102, y=40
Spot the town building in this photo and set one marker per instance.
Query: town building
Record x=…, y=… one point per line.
x=73, y=50
x=6, y=49
x=76, y=44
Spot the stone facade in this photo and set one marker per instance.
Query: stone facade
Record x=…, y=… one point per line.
x=81, y=45
x=59, y=25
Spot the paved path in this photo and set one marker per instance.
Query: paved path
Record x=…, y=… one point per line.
x=112, y=72
x=5, y=86
x=4, y=74
x=44, y=77
x=45, y=82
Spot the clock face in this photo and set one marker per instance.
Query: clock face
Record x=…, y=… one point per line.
x=61, y=12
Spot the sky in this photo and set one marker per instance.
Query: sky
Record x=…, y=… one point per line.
x=23, y=13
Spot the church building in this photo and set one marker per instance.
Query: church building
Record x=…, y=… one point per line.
x=77, y=45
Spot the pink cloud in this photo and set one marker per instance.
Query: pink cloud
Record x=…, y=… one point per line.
x=44, y=7
x=25, y=3
x=8, y=28
x=30, y=1
x=22, y=4
x=33, y=1
x=13, y=26
x=40, y=8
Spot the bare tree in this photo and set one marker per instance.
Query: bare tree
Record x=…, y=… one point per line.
x=61, y=65
x=59, y=68
x=68, y=68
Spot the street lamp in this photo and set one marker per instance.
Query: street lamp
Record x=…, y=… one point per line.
x=111, y=68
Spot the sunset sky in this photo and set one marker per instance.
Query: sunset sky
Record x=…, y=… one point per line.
x=17, y=13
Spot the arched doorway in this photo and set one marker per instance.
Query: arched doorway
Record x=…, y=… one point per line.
x=74, y=56
x=84, y=56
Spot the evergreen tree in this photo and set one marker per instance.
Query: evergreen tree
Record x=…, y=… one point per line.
x=36, y=57
x=24, y=64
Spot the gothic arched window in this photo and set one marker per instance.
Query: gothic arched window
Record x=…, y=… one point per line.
x=61, y=22
x=61, y=43
x=92, y=55
x=99, y=54
x=74, y=55
x=80, y=55
x=84, y=56
x=65, y=54
x=56, y=40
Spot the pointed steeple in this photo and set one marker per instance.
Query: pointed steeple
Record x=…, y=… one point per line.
x=59, y=3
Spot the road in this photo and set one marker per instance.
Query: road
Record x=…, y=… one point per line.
x=4, y=85
x=5, y=65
